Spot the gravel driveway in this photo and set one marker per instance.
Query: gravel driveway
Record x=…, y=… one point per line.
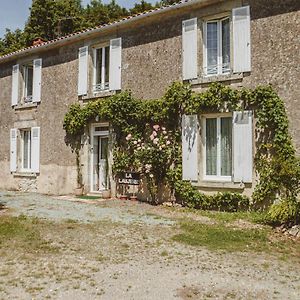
x=123, y=250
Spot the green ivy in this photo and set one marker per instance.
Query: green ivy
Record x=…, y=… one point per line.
x=275, y=161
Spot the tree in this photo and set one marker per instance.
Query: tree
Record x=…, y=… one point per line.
x=12, y=41
x=50, y=19
x=141, y=7
x=168, y=2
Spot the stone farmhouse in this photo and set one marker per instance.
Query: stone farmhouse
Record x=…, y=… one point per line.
x=237, y=42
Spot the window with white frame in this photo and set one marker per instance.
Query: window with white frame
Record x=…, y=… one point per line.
x=26, y=149
x=28, y=82
x=217, y=47
x=218, y=148
x=101, y=68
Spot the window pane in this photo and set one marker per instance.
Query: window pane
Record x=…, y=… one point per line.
x=212, y=48
x=106, y=67
x=104, y=148
x=98, y=65
x=225, y=46
x=226, y=146
x=26, y=150
x=29, y=81
x=211, y=146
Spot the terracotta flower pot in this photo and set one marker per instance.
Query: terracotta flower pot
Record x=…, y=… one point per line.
x=133, y=198
x=79, y=191
x=106, y=194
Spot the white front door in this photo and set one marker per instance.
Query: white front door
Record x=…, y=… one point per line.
x=99, y=162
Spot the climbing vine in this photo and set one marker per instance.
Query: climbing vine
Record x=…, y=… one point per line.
x=148, y=138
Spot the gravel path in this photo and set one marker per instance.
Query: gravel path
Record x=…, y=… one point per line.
x=123, y=250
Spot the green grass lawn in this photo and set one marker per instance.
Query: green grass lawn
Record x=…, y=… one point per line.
x=22, y=233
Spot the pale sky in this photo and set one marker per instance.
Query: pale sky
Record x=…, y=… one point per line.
x=14, y=13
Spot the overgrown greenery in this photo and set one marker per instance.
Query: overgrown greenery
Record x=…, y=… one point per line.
x=275, y=161
x=50, y=19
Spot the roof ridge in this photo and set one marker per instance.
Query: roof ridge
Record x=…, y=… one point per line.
x=78, y=33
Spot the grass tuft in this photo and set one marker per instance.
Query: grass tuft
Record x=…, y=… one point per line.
x=219, y=237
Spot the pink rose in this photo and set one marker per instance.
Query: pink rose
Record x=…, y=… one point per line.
x=156, y=127
x=128, y=137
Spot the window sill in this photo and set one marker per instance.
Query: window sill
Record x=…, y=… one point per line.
x=25, y=174
x=220, y=185
x=25, y=106
x=100, y=94
x=217, y=78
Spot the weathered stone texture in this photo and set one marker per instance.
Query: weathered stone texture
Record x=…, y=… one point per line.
x=151, y=61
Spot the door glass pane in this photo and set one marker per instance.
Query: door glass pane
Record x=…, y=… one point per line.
x=211, y=146
x=225, y=46
x=226, y=146
x=106, y=67
x=104, y=148
x=212, y=48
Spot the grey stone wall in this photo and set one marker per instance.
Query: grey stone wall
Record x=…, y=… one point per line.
x=151, y=61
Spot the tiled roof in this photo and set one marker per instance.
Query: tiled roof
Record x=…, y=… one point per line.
x=91, y=30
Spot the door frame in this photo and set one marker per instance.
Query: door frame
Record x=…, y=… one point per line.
x=93, y=134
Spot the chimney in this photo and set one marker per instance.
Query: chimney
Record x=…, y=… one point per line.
x=37, y=41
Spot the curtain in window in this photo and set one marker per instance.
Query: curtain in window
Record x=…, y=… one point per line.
x=225, y=46
x=212, y=48
x=107, y=67
x=226, y=146
x=211, y=146
x=26, y=150
x=98, y=65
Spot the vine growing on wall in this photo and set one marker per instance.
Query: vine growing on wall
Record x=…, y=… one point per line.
x=141, y=125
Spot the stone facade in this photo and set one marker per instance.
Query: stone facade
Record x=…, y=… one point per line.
x=151, y=61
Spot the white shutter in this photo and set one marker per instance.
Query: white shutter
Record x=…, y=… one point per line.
x=83, y=71
x=37, y=77
x=241, y=39
x=115, y=62
x=242, y=146
x=190, y=147
x=35, y=149
x=189, y=49
x=13, y=150
x=15, y=85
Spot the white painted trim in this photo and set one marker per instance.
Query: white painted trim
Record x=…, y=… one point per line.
x=91, y=153
x=22, y=169
x=102, y=79
x=218, y=177
x=219, y=45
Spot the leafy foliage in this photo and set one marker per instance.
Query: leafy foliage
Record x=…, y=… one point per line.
x=50, y=19
x=275, y=161
x=285, y=212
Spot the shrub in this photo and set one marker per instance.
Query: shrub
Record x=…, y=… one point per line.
x=285, y=212
x=229, y=202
